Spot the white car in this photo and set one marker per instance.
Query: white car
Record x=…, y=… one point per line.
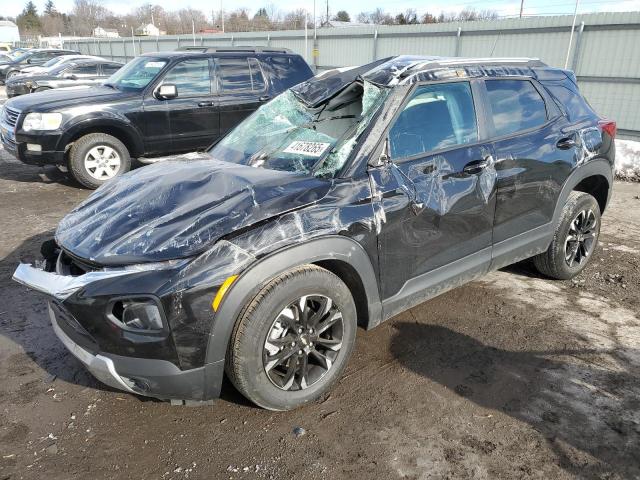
x=54, y=62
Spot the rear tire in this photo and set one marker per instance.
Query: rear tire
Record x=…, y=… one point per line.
x=11, y=74
x=281, y=357
x=575, y=238
x=97, y=158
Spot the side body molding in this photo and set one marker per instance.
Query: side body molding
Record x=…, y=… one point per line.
x=255, y=277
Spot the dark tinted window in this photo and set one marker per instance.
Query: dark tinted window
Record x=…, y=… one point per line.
x=110, y=68
x=192, y=77
x=516, y=105
x=88, y=69
x=257, y=80
x=436, y=116
x=234, y=74
x=569, y=99
x=290, y=70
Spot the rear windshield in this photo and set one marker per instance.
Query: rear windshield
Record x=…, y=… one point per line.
x=136, y=74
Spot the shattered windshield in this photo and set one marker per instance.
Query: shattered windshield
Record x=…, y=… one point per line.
x=286, y=135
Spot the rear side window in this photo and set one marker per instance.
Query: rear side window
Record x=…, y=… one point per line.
x=191, y=77
x=516, y=105
x=234, y=74
x=290, y=70
x=567, y=96
x=257, y=79
x=435, y=117
x=88, y=69
x=110, y=68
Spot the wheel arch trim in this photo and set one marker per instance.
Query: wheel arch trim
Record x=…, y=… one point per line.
x=254, y=278
x=599, y=166
x=128, y=133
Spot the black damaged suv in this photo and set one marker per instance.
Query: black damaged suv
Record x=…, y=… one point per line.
x=158, y=104
x=343, y=202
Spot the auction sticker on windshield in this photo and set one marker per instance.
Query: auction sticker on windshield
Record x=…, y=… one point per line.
x=309, y=149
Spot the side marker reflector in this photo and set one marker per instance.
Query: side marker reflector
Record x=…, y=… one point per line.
x=222, y=290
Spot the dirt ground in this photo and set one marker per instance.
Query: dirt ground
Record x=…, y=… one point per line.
x=512, y=376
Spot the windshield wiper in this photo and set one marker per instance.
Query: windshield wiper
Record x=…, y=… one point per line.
x=336, y=117
x=110, y=85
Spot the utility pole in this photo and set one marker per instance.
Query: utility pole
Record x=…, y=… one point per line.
x=327, y=19
x=573, y=27
x=222, y=15
x=521, y=7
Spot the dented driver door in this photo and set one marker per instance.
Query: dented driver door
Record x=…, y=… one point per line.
x=435, y=196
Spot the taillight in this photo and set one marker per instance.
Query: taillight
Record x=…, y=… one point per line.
x=608, y=126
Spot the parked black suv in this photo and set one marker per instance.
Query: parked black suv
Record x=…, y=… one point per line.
x=156, y=105
x=38, y=56
x=81, y=72
x=344, y=201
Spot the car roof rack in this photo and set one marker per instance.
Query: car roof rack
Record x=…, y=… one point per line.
x=234, y=49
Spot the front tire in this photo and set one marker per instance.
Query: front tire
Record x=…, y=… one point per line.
x=575, y=238
x=293, y=340
x=97, y=158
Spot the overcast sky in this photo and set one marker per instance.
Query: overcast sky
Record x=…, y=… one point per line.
x=503, y=7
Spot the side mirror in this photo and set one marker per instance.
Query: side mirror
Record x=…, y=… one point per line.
x=166, y=92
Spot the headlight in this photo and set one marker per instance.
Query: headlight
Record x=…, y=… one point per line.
x=41, y=121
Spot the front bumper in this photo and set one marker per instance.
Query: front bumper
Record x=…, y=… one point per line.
x=16, y=145
x=152, y=377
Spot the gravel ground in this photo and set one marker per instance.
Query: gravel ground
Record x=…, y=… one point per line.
x=512, y=376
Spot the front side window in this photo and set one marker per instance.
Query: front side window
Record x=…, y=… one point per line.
x=191, y=77
x=515, y=105
x=437, y=116
x=136, y=74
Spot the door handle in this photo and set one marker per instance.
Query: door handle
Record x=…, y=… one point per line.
x=477, y=166
x=264, y=98
x=205, y=104
x=566, y=143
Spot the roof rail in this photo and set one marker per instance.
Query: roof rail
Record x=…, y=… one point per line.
x=234, y=49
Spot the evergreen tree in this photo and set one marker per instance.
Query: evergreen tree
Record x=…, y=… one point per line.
x=50, y=8
x=28, y=20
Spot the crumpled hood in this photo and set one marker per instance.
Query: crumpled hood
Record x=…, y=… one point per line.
x=179, y=208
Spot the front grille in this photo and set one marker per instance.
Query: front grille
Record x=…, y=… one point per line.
x=10, y=116
x=69, y=265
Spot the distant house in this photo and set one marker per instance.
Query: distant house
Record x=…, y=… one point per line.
x=338, y=24
x=8, y=32
x=105, y=32
x=149, y=30
x=210, y=30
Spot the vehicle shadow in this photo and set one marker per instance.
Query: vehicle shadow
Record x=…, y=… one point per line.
x=16, y=171
x=564, y=394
